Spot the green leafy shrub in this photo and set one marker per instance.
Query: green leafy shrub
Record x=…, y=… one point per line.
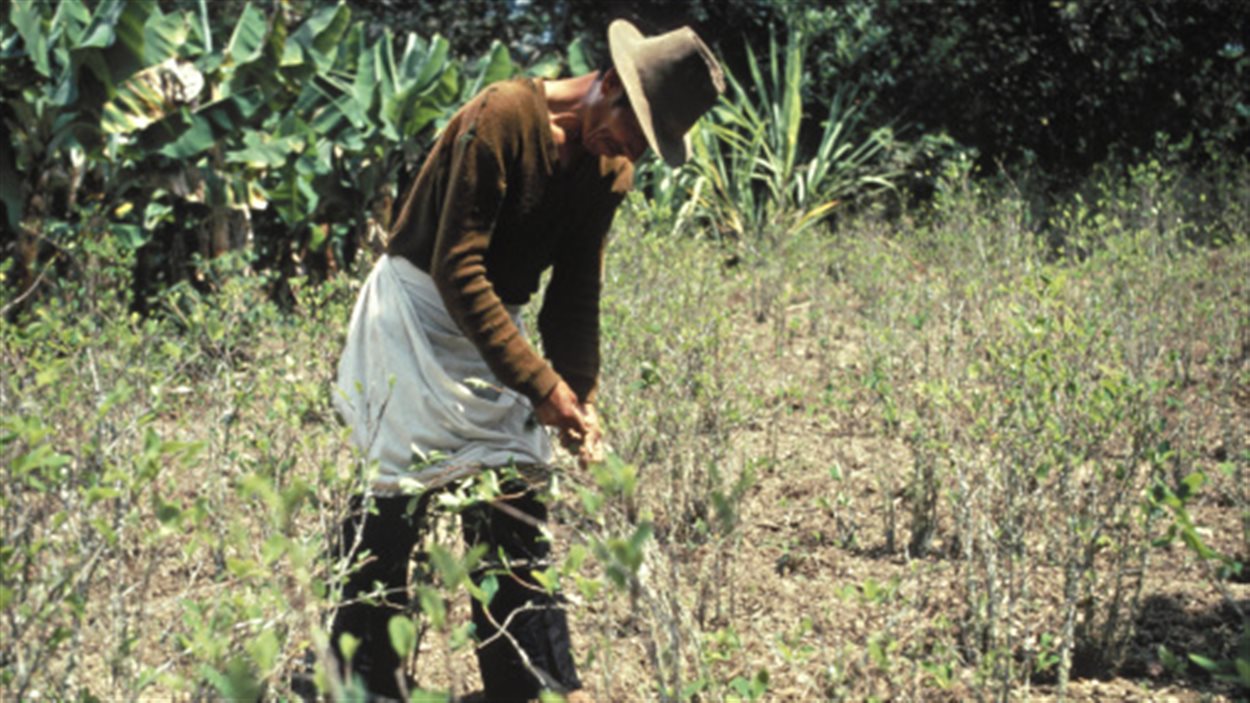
x=1038, y=396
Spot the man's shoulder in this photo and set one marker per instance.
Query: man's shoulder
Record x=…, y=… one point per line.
x=507, y=106
x=519, y=92
x=509, y=118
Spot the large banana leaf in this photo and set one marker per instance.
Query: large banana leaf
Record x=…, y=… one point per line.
x=247, y=41
x=150, y=95
x=580, y=62
x=126, y=36
x=368, y=80
x=252, y=58
x=333, y=112
x=29, y=23
x=496, y=66
x=424, y=84
x=293, y=195
x=423, y=62
x=314, y=44
x=186, y=134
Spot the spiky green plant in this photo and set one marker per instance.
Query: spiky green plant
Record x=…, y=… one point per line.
x=759, y=178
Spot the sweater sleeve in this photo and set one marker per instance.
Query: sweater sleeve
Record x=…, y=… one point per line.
x=569, y=319
x=476, y=190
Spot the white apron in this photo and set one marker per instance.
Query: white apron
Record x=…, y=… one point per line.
x=411, y=385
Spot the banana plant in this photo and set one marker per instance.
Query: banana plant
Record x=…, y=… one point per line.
x=69, y=76
x=61, y=64
x=374, y=106
x=297, y=131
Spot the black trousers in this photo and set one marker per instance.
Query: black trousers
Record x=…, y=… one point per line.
x=391, y=535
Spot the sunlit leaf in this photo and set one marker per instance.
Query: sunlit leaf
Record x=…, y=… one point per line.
x=316, y=40
x=129, y=236
x=579, y=58
x=260, y=150
x=497, y=66
x=150, y=95
x=348, y=644
x=163, y=35
x=247, y=41
x=433, y=64
x=547, y=66
x=403, y=634
x=1204, y=662
x=28, y=20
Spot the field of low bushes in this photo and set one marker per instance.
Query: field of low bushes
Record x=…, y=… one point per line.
x=931, y=455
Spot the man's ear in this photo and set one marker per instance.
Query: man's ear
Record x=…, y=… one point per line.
x=611, y=83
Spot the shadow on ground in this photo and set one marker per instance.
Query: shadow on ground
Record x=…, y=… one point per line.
x=1182, y=625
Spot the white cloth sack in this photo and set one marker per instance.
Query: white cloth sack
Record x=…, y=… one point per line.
x=410, y=384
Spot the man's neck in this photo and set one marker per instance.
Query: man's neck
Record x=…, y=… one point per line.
x=567, y=95
x=566, y=103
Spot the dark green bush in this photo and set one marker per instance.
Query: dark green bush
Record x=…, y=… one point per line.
x=1062, y=85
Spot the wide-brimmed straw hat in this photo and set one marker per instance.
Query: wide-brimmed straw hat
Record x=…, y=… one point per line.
x=671, y=80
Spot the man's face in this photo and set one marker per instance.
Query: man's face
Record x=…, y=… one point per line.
x=611, y=128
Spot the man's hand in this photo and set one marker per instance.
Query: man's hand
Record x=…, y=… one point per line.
x=577, y=424
x=592, y=450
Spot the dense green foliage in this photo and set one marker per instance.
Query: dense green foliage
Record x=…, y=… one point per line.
x=183, y=132
x=192, y=128
x=1060, y=85
x=176, y=137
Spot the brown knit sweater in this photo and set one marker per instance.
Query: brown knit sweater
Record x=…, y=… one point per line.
x=491, y=209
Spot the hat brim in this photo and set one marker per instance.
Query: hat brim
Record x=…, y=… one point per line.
x=623, y=40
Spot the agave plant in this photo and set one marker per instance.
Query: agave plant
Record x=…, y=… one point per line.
x=757, y=179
